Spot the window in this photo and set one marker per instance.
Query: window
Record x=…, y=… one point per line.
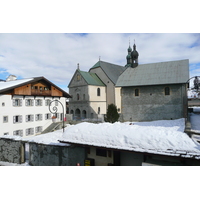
x=98, y=110
x=17, y=102
x=38, y=102
x=29, y=118
x=83, y=96
x=18, y=133
x=98, y=92
x=56, y=102
x=3, y=104
x=38, y=117
x=78, y=97
x=17, y=119
x=29, y=102
x=167, y=91
x=6, y=133
x=38, y=129
x=29, y=131
x=48, y=116
x=5, y=119
x=101, y=152
x=136, y=92
x=47, y=102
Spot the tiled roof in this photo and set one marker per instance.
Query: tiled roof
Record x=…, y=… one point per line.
x=111, y=70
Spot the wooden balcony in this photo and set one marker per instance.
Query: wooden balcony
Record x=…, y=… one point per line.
x=35, y=92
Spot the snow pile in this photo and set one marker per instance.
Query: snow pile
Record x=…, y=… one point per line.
x=161, y=135
x=51, y=138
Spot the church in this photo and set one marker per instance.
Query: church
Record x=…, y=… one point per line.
x=141, y=92
x=155, y=91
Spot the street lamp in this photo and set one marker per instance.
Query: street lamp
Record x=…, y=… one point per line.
x=55, y=109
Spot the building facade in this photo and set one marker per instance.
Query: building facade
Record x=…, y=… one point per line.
x=93, y=91
x=24, y=105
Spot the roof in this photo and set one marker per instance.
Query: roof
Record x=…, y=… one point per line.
x=171, y=72
x=164, y=137
x=9, y=85
x=91, y=78
x=111, y=70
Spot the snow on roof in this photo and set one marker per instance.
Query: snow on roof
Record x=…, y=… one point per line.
x=163, y=137
x=8, y=84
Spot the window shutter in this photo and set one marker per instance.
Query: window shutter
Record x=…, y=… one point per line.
x=40, y=116
x=41, y=102
x=36, y=102
x=14, y=119
x=26, y=102
x=21, y=132
x=26, y=118
x=13, y=102
x=32, y=102
x=32, y=118
x=32, y=130
x=36, y=117
x=26, y=131
x=20, y=118
x=46, y=116
x=20, y=102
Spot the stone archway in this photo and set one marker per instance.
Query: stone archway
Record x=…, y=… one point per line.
x=84, y=114
x=77, y=114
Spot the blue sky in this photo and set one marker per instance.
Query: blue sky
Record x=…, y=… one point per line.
x=55, y=55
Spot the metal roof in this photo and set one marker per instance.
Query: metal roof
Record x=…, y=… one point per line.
x=91, y=78
x=111, y=70
x=171, y=72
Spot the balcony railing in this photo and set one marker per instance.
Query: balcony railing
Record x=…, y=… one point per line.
x=41, y=92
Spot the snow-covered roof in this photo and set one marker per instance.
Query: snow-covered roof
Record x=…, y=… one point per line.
x=164, y=137
x=9, y=84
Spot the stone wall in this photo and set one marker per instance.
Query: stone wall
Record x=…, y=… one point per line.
x=153, y=104
x=54, y=155
x=12, y=150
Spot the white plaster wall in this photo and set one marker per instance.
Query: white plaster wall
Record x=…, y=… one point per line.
x=9, y=110
x=92, y=90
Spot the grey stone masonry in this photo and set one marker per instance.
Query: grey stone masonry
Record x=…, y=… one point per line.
x=55, y=155
x=12, y=151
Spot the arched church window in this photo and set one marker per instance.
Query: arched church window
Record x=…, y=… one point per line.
x=78, y=97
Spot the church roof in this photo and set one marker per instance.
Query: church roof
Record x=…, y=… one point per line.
x=111, y=70
x=171, y=72
x=91, y=78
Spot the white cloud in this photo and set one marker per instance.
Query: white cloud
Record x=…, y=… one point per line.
x=55, y=56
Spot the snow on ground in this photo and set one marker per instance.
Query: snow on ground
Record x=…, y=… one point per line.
x=160, y=135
